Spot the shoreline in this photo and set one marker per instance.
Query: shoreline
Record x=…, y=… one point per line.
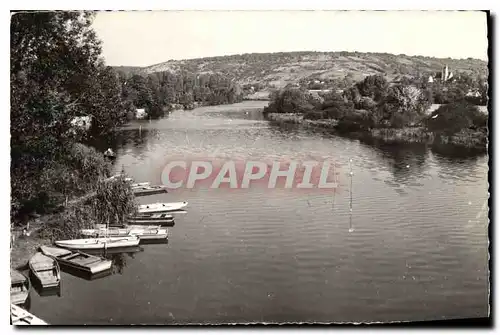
x=406, y=135
x=22, y=248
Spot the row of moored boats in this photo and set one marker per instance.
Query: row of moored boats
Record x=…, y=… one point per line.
x=149, y=224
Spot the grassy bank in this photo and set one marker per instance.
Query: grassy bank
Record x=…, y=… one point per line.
x=466, y=138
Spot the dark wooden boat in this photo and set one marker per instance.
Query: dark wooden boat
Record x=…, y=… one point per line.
x=162, y=219
x=140, y=191
x=78, y=260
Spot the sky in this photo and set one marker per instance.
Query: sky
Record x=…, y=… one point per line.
x=145, y=38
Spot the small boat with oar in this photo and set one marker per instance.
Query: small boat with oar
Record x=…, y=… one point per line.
x=141, y=191
x=99, y=243
x=45, y=270
x=78, y=260
x=144, y=233
x=21, y=317
x=19, y=287
x=161, y=207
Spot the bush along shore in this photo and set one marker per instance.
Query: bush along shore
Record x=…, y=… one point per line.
x=373, y=109
x=58, y=183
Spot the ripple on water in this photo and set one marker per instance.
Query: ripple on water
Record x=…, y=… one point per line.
x=262, y=255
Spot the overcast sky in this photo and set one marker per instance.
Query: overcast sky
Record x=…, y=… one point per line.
x=146, y=38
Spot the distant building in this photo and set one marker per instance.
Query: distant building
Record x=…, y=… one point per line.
x=446, y=74
x=430, y=80
x=140, y=113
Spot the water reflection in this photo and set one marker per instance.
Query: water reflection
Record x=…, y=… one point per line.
x=27, y=304
x=121, y=259
x=47, y=292
x=269, y=256
x=85, y=275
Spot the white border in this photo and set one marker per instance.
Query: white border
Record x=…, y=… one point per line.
x=178, y=5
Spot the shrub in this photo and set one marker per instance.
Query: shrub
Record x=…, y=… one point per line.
x=357, y=120
x=111, y=203
x=453, y=118
x=291, y=100
x=374, y=87
x=314, y=115
x=403, y=105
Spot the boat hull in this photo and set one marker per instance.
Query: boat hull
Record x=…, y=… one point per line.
x=140, y=222
x=19, y=298
x=20, y=288
x=144, y=233
x=161, y=207
x=98, y=243
x=141, y=192
x=21, y=317
x=50, y=280
x=78, y=260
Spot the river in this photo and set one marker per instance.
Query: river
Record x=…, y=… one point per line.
x=414, y=248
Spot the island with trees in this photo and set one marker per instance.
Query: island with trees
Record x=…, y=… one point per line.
x=397, y=112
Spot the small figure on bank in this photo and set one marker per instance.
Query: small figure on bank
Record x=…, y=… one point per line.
x=109, y=153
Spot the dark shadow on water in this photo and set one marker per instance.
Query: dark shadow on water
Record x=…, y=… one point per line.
x=147, y=242
x=134, y=138
x=27, y=304
x=454, y=152
x=44, y=292
x=407, y=162
x=47, y=292
x=84, y=274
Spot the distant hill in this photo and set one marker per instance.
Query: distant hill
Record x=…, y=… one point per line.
x=129, y=69
x=280, y=69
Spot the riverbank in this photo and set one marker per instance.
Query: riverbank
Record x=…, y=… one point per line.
x=23, y=246
x=467, y=139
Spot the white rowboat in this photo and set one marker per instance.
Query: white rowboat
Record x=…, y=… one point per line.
x=144, y=233
x=21, y=317
x=161, y=207
x=99, y=243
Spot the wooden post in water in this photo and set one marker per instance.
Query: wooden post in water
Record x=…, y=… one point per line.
x=351, y=228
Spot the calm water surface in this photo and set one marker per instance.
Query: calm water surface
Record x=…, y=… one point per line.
x=414, y=248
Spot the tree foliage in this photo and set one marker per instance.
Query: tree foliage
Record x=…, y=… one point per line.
x=374, y=87
x=56, y=75
x=291, y=100
x=156, y=92
x=455, y=117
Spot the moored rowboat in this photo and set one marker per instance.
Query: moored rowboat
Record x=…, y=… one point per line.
x=160, y=222
x=148, y=190
x=144, y=233
x=161, y=207
x=99, y=243
x=46, y=270
x=155, y=216
x=19, y=287
x=78, y=260
x=21, y=317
